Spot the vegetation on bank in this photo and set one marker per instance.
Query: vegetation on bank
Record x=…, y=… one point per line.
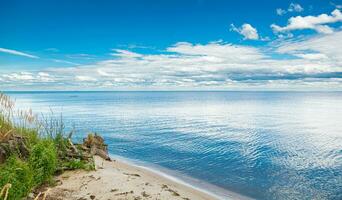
x=32, y=150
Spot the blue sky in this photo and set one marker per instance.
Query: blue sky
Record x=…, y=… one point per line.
x=170, y=45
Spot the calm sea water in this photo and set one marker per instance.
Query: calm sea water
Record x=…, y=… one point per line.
x=266, y=145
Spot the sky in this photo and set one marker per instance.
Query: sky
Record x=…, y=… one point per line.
x=170, y=45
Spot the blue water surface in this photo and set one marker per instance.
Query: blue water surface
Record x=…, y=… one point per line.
x=265, y=145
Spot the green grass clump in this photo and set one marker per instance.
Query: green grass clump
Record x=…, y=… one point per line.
x=34, y=150
x=19, y=174
x=43, y=160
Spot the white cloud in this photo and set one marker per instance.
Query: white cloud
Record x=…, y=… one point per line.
x=280, y=11
x=324, y=46
x=125, y=53
x=23, y=77
x=85, y=78
x=216, y=51
x=293, y=7
x=312, y=56
x=315, y=62
x=247, y=30
x=18, y=53
x=316, y=23
x=43, y=74
x=81, y=56
x=64, y=61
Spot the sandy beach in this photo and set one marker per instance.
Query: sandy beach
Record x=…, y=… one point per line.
x=119, y=180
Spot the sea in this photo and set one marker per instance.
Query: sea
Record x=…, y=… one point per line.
x=261, y=145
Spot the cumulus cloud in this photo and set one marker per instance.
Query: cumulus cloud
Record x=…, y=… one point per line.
x=317, y=23
x=247, y=31
x=293, y=7
x=316, y=62
x=18, y=53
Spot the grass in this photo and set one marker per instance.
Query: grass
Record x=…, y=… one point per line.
x=32, y=150
x=19, y=174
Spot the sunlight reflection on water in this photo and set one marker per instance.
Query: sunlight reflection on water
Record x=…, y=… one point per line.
x=267, y=145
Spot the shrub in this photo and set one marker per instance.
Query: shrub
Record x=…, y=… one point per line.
x=19, y=174
x=43, y=160
x=79, y=164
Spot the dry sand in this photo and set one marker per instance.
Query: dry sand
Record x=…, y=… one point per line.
x=119, y=180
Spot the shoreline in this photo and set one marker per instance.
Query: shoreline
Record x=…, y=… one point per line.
x=122, y=179
x=214, y=191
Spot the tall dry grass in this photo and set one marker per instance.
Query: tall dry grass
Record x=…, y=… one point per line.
x=14, y=121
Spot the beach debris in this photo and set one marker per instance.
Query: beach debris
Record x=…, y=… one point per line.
x=114, y=190
x=95, y=145
x=72, y=146
x=173, y=192
x=164, y=186
x=92, y=196
x=42, y=195
x=92, y=145
x=144, y=194
x=128, y=174
x=124, y=193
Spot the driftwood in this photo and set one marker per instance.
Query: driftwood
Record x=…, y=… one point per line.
x=92, y=145
x=72, y=146
x=95, y=146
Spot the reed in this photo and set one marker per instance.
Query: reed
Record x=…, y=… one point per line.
x=32, y=149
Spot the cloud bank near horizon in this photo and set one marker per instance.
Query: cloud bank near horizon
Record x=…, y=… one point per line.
x=311, y=62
